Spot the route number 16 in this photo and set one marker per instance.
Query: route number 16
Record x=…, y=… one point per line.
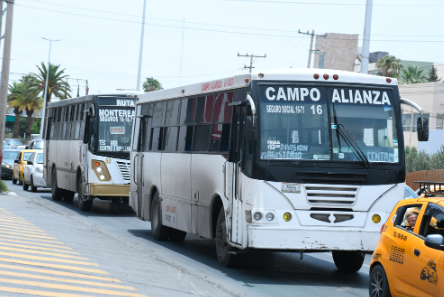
x=317, y=109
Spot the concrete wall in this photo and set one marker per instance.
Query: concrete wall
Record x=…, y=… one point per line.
x=340, y=51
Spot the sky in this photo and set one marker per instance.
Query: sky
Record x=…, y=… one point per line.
x=193, y=41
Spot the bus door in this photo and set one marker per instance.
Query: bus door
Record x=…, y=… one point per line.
x=135, y=158
x=236, y=197
x=46, y=162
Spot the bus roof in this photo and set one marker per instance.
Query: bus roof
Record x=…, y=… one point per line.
x=239, y=81
x=90, y=97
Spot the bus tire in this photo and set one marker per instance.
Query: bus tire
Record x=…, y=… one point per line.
x=68, y=196
x=33, y=188
x=85, y=204
x=25, y=186
x=159, y=231
x=56, y=192
x=378, y=285
x=348, y=261
x=177, y=235
x=223, y=248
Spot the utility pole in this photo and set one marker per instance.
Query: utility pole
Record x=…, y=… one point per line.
x=251, y=59
x=46, y=86
x=181, y=52
x=367, y=33
x=139, y=72
x=5, y=72
x=310, y=50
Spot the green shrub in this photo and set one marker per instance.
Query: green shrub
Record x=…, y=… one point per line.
x=3, y=187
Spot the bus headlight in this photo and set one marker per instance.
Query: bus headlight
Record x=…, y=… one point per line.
x=269, y=216
x=376, y=218
x=100, y=170
x=257, y=216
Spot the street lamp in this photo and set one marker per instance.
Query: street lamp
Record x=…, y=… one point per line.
x=46, y=86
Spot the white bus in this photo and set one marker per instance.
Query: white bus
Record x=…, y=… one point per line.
x=87, y=145
x=304, y=160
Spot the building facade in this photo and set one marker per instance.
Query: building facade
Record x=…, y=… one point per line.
x=336, y=51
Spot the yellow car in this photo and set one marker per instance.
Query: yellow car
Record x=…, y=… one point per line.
x=410, y=254
x=20, y=164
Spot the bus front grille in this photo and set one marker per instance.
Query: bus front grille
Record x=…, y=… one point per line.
x=340, y=195
x=124, y=169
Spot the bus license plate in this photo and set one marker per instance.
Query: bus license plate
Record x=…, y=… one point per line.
x=291, y=188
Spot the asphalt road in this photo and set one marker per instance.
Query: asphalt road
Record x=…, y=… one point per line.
x=109, y=252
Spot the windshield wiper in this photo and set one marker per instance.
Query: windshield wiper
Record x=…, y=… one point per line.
x=340, y=130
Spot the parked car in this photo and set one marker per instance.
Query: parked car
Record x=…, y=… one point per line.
x=20, y=164
x=35, y=144
x=8, y=162
x=33, y=173
x=15, y=143
x=410, y=252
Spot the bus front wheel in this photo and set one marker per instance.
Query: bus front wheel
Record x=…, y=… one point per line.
x=85, y=204
x=56, y=192
x=348, y=261
x=225, y=253
x=160, y=232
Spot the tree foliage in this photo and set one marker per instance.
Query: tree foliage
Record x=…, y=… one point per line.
x=151, y=84
x=417, y=161
x=389, y=66
x=413, y=75
x=433, y=75
x=23, y=97
x=56, y=85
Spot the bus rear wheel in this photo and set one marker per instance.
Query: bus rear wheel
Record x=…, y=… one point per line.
x=225, y=253
x=160, y=232
x=85, y=204
x=56, y=192
x=68, y=196
x=177, y=235
x=348, y=261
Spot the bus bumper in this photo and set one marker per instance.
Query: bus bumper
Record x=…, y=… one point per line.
x=105, y=190
x=312, y=240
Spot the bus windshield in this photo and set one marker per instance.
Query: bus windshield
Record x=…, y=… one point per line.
x=115, y=127
x=297, y=123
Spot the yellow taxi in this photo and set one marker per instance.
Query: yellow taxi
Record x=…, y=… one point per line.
x=19, y=165
x=410, y=254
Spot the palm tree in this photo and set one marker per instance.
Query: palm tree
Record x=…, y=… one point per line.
x=15, y=92
x=23, y=96
x=56, y=85
x=389, y=66
x=151, y=84
x=413, y=75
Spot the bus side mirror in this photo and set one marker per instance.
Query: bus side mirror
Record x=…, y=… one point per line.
x=250, y=128
x=423, y=129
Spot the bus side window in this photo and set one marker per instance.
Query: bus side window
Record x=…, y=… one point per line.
x=202, y=138
x=91, y=133
x=76, y=113
x=248, y=157
x=81, y=108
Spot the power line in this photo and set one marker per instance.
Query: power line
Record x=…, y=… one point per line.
x=335, y=4
x=212, y=30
